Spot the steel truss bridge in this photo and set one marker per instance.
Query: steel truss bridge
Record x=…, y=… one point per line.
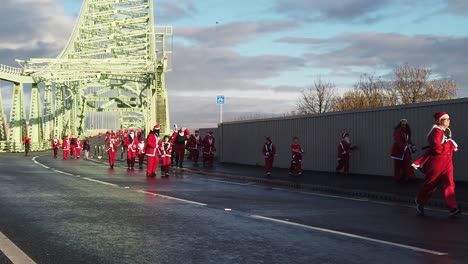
x=113, y=68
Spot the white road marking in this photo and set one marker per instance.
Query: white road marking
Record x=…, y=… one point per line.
x=352, y=236
x=10, y=250
x=101, y=182
x=229, y=182
x=171, y=198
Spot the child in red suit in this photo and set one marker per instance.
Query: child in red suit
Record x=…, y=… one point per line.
x=166, y=152
x=296, y=158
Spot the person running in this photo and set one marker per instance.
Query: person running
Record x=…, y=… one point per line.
x=27, y=145
x=269, y=152
x=152, y=151
x=296, y=158
x=401, y=152
x=166, y=152
x=437, y=165
x=344, y=153
x=55, y=146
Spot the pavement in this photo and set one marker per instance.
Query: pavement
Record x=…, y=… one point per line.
x=353, y=185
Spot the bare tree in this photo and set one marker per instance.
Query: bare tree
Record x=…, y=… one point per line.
x=368, y=92
x=411, y=84
x=317, y=99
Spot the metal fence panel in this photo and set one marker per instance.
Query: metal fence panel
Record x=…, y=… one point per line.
x=371, y=130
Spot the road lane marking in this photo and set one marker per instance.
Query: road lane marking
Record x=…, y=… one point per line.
x=351, y=235
x=170, y=197
x=13, y=253
x=228, y=182
x=101, y=182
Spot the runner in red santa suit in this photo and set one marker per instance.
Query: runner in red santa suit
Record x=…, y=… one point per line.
x=152, y=151
x=344, y=153
x=179, y=139
x=73, y=145
x=66, y=147
x=112, y=149
x=27, y=145
x=296, y=158
x=438, y=165
x=141, y=152
x=55, y=146
x=131, y=145
x=166, y=151
x=78, y=148
x=209, y=149
x=194, y=144
x=269, y=152
x=401, y=152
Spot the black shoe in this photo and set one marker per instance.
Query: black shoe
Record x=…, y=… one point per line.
x=181, y=166
x=141, y=167
x=167, y=174
x=268, y=175
x=455, y=211
x=112, y=166
x=419, y=207
x=299, y=174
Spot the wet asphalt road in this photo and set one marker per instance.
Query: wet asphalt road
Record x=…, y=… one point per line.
x=112, y=216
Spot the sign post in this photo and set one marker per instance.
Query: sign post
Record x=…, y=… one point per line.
x=220, y=102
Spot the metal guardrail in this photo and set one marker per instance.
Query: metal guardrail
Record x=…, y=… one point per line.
x=10, y=69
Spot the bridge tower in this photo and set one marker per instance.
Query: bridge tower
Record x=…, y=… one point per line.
x=114, y=62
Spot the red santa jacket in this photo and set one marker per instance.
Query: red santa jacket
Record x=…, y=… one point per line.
x=141, y=147
x=269, y=150
x=112, y=145
x=152, y=145
x=402, y=143
x=66, y=143
x=296, y=150
x=209, y=144
x=55, y=143
x=194, y=142
x=344, y=149
x=165, y=149
x=441, y=148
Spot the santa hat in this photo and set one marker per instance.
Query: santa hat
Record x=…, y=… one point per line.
x=196, y=131
x=210, y=133
x=440, y=115
x=344, y=134
x=156, y=127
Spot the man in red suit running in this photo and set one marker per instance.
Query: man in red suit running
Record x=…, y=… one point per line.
x=437, y=164
x=152, y=151
x=269, y=152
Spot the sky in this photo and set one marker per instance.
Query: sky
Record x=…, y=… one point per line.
x=261, y=54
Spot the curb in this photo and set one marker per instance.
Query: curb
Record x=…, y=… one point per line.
x=379, y=196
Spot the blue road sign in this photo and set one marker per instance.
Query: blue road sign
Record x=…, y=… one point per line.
x=220, y=99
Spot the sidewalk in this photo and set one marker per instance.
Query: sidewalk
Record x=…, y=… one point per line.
x=355, y=185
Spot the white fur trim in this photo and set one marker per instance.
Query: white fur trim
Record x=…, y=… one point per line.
x=444, y=116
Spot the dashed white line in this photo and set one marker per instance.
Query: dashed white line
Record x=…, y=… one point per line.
x=10, y=250
x=351, y=235
x=101, y=182
x=171, y=198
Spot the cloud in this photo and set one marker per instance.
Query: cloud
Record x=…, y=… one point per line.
x=231, y=34
x=32, y=28
x=458, y=7
x=387, y=50
x=362, y=11
x=169, y=11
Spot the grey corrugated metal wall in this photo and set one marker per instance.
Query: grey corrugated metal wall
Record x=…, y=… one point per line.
x=371, y=130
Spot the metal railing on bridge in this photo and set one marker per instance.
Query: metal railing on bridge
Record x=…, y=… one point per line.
x=10, y=69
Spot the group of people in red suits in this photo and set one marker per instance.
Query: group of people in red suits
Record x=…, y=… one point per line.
x=156, y=150
x=71, y=147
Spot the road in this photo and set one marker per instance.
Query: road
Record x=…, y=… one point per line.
x=79, y=211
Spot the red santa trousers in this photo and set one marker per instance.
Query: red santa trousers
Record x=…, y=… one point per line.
x=65, y=153
x=55, y=152
x=435, y=175
x=112, y=155
x=296, y=163
x=343, y=163
x=403, y=169
x=152, y=164
x=165, y=164
x=269, y=163
x=179, y=153
x=195, y=154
